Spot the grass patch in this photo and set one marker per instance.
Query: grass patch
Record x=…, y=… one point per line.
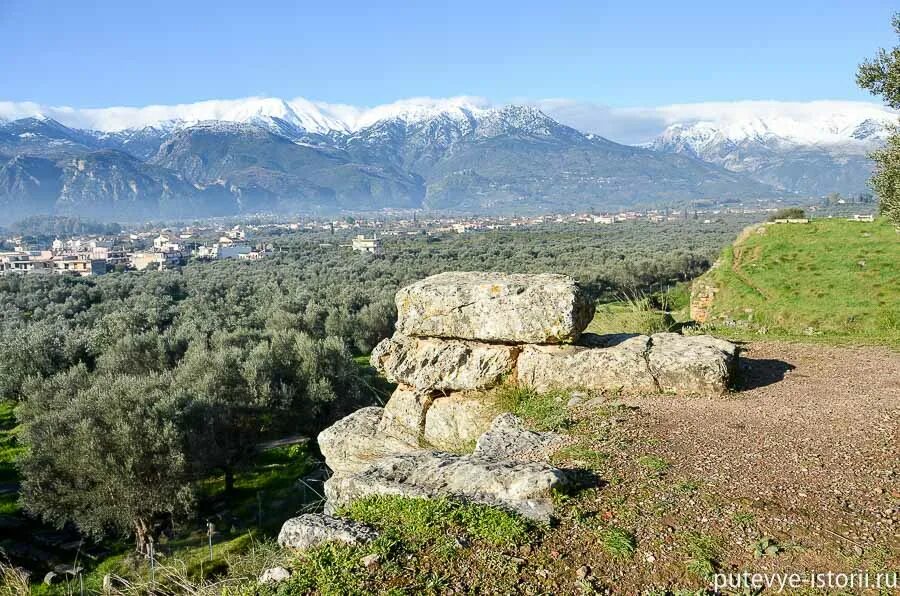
x=618, y=543
x=743, y=518
x=631, y=315
x=9, y=451
x=654, y=463
x=542, y=411
x=583, y=455
x=688, y=487
x=831, y=280
x=419, y=522
x=702, y=555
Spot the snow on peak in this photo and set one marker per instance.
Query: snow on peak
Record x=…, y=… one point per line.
x=304, y=114
x=420, y=109
x=817, y=123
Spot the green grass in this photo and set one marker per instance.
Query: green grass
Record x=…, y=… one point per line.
x=617, y=543
x=702, y=554
x=420, y=522
x=631, y=316
x=542, y=411
x=832, y=280
x=9, y=450
x=654, y=464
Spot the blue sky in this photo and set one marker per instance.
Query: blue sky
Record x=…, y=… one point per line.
x=627, y=53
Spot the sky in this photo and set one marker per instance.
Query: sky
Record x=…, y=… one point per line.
x=618, y=54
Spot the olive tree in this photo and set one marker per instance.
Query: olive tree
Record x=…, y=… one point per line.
x=881, y=76
x=104, y=453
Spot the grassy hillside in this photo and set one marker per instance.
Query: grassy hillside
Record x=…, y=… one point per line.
x=834, y=280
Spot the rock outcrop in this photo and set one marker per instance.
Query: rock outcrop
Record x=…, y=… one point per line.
x=459, y=335
x=525, y=488
x=455, y=422
x=698, y=364
x=312, y=529
x=443, y=365
x=660, y=363
x=494, y=307
x=508, y=439
x=619, y=367
x=353, y=442
x=404, y=415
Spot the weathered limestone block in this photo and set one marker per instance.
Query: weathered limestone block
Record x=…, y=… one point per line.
x=312, y=529
x=494, y=307
x=353, y=442
x=404, y=415
x=507, y=438
x=443, y=364
x=523, y=488
x=699, y=364
x=620, y=366
x=453, y=423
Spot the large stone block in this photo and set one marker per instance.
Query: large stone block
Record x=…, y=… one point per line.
x=312, y=529
x=495, y=307
x=619, y=366
x=404, y=415
x=698, y=364
x=508, y=439
x=353, y=442
x=453, y=423
x=663, y=362
x=525, y=488
x=443, y=364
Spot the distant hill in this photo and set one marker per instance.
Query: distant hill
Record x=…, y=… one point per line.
x=830, y=278
x=272, y=158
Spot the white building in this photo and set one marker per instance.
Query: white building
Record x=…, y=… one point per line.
x=368, y=245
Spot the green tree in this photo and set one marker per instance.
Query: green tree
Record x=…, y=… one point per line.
x=106, y=454
x=881, y=76
x=223, y=422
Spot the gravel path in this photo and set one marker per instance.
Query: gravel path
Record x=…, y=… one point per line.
x=811, y=442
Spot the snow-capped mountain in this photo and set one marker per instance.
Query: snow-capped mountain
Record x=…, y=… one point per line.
x=819, y=149
x=455, y=154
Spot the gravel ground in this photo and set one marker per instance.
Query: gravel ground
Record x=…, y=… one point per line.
x=806, y=454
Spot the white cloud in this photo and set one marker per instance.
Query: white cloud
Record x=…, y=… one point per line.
x=639, y=125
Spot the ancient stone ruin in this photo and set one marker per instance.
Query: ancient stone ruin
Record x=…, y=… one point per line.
x=460, y=336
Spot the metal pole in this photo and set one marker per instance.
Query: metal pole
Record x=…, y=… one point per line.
x=209, y=531
x=152, y=564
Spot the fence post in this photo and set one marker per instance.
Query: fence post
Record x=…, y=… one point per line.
x=209, y=531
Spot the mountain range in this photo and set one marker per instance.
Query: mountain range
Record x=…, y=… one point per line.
x=271, y=155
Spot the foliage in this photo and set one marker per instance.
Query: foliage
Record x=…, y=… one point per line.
x=886, y=180
x=9, y=451
x=881, y=76
x=617, y=542
x=106, y=455
x=703, y=554
x=788, y=213
x=221, y=356
x=42, y=227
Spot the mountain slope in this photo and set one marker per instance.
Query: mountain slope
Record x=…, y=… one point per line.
x=296, y=174
x=518, y=158
x=453, y=155
x=816, y=153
